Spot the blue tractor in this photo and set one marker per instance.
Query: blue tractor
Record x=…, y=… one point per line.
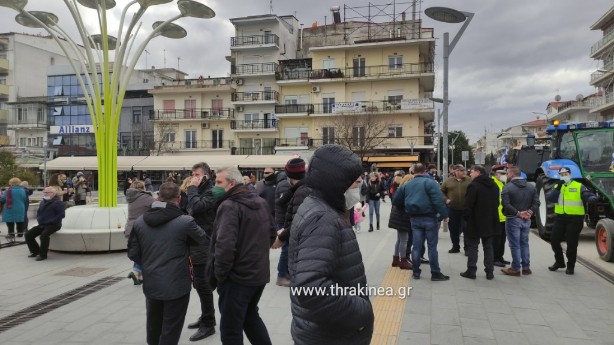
x=588, y=150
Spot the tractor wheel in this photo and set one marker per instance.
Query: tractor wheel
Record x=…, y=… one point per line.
x=604, y=239
x=544, y=218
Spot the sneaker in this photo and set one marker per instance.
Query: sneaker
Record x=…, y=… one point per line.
x=490, y=276
x=283, y=281
x=526, y=271
x=510, y=272
x=467, y=275
x=499, y=264
x=439, y=277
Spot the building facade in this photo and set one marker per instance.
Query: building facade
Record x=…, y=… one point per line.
x=603, y=78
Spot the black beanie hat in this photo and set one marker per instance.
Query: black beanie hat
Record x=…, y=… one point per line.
x=295, y=168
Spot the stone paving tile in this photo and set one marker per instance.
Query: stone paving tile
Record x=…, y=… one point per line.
x=445, y=316
x=413, y=338
x=416, y=323
x=510, y=338
x=448, y=302
x=479, y=341
x=504, y=322
x=446, y=335
x=496, y=306
x=529, y=316
x=472, y=311
x=476, y=328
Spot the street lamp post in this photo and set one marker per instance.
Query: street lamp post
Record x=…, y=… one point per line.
x=91, y=58
x=448, y=15
x=439, y=141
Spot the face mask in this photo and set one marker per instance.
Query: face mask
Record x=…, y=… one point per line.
x=503, y=178
x=566, y=179
x=45, y=197
x=352, y=196
x=218, y=192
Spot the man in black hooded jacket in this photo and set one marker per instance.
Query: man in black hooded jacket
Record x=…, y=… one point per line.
x=324, y=253
x=482, y=216
x=159, y=241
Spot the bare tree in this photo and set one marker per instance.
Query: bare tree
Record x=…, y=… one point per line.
x=360, y=132
x=164, y=136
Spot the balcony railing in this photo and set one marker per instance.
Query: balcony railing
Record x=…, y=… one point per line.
x=381, y=142
x=26, y=123
x=602, y=42
x=264, y=150
x=357, y=72
x=253, y=124
x=255, y=68
x=240, y=41
x=576, y=104
x=293, y=142
x=255, y=96
x=200, y=82
x=197, y=144
x=607, y=70
x=194, y=114
x=294, y=108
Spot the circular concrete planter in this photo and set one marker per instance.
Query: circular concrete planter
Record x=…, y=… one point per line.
x=91, y=228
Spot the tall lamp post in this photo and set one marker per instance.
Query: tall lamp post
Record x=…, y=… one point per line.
x=448, y=15
x=91, y=58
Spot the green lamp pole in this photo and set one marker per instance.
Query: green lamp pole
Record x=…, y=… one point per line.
x=92, y=58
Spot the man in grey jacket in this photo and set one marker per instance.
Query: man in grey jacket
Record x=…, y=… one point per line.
x=520, y=201
x=159, y=241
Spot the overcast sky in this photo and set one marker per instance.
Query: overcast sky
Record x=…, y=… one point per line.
x=514, y=57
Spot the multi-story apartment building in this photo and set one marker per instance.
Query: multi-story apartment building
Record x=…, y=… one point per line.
x=516, y=136
x=577, y=110
x=603, y=78
x=194, y=116
x=259, y=44
x=24, y=60
x=364, y=85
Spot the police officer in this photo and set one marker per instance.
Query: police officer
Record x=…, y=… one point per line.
x=570, y=197
x=500, y=178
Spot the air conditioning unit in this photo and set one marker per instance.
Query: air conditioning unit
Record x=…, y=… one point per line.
x=239, y=81
x=240, y=109
x=204, y=125
x=315, y=89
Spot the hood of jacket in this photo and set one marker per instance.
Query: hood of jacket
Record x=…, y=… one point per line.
x=132, y=194
x=332, y=170
x=280, y=176
x=161, y=213
x=241, y=194
x=519, y=182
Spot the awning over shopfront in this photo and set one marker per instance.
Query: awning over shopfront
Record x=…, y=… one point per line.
x=166, y=163
x=392, y=161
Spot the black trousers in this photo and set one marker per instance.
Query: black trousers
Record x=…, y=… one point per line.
x=239, y=309
x=44, y=231
x=456, y=225
x=165, y=320
x=20, y=228
x=205, y=294
x=498, y=243
x=472, y=244
x=566, y=228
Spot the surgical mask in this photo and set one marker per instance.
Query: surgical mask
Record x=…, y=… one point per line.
x=45, y=197
x=503, y=178
x=566, y=179
x=218, y=192
x=352, y=196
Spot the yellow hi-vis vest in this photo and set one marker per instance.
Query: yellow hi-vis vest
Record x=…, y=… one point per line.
x=500, y=185
x=570, y=200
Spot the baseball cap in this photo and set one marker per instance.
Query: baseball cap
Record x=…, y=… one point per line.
x=564, y=170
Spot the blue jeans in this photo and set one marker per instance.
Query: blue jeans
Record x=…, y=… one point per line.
x=517, y=230
x=373, y=207
x=282, y=266
x=425, y=227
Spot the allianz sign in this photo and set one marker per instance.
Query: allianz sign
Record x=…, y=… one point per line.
x=71, y=129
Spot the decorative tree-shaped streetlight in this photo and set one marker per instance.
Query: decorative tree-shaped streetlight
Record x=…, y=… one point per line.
x=104, y=97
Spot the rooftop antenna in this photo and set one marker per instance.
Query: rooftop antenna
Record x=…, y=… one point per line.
x=271, y=6
x=146, y=53
x=164, y=52
x=178, y=58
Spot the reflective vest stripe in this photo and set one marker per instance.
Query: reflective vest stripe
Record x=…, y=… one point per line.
x=500, y=185
x=570, y=200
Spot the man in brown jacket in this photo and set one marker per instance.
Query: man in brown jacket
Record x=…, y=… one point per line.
x=454, y=190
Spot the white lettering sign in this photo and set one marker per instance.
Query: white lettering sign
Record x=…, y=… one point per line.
x=421, y=103
x=346, y=106
x=71, y=129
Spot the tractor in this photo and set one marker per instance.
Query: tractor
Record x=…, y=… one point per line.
x=587, y=149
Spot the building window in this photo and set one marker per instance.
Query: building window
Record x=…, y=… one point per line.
x=358, y=136
x=358, y=65
x=251, y=117
x=190, y=108
x=328, y=135
x=328, y=64
x=217, y=136
x=22, y=115
x=169, y=138
x=190, y=139
x=136, y=116
x=395, y=100
x=395, y=131
x=40, y=115
x=395, y=61
x=327, y=104
x=22, y=142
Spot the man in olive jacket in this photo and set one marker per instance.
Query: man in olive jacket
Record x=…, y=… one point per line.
x=240, y=244
x=159, y=241
x=324, y=253
x=482, y=216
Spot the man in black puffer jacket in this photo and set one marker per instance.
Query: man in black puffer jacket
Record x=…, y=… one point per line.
x=482, y=215
x=159, y=241
x=324, y=253
x=201, y=206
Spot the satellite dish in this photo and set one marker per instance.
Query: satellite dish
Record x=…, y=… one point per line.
x=579, y=97
x=557, y=98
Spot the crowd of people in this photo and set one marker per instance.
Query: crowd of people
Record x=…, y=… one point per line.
x=213, y=231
